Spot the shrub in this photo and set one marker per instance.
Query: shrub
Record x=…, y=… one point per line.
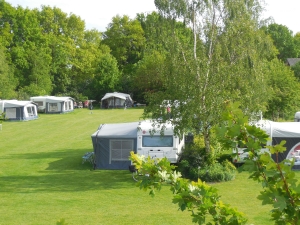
x=218, y=172
x=195, y=163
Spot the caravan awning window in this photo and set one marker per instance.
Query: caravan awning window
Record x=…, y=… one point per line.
x=157, y=141
x=53, y=107
x=31, y=111
x=120, y=149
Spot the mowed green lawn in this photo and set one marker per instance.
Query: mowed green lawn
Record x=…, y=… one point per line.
x=42, y=178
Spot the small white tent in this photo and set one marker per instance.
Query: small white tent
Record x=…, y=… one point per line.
x=116, y=100
x=53, y=104
x=18, y=110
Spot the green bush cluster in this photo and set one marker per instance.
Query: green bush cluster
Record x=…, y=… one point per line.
x=195, y=164
x=218, y=172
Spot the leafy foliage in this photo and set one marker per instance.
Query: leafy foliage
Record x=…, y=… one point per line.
x=296, y=69
x=277, y=178
x=283, y=90
x=216, y=53
x=218, y=172
x=8, y=82
x=125, y=37
x=283, y=40
x=49, y=53
x=195, y=163
x=199, y=198
x=280, y=188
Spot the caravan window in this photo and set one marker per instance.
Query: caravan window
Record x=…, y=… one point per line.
x=39, y=103
x=120, y=149
x=157, y=141
x=30, y=111
x=53, y=107
x=11, y=113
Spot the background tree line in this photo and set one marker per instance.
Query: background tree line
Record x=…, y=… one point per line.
x=48, y=52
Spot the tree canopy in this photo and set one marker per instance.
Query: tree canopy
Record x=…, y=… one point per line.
x=199, y=53
x=218, y=54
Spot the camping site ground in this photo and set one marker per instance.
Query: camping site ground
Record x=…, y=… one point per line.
x=42, y=178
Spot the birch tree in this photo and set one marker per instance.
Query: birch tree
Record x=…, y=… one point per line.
x=222, y=58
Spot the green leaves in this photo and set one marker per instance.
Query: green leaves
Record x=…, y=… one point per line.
x=279, y=186
x=199, y=198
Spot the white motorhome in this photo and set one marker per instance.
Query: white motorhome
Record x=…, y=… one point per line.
x=278, y=131
x=151, y=143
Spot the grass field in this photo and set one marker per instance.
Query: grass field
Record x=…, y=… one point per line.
x=42, y=178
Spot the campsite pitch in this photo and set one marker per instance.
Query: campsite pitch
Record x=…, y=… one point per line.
x=43, y=179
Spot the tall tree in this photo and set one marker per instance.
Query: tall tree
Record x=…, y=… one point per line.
x=283, y=40
x=296, y=69
x=284, y=86
x=222, y=59
x=8, y=82
x=125, y=37
x=62, y=48
x=30, y=54
x=7, y=21
x=297, y=43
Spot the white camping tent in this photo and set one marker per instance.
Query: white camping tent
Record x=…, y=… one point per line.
x=18, y=110
x=116, y=100
x=53, y=104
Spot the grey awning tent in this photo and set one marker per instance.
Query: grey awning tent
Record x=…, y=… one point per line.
x=116, y=100
x=290, y=132
x=18, y=110
x=279, y=131
x=112, y=144
x=54, y=104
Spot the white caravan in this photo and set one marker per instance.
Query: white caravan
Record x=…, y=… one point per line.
x=278, y=131
x=151, y=143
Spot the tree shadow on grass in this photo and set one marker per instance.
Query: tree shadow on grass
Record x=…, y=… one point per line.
x=65, y=173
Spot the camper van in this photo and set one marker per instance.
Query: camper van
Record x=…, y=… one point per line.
x=151, y=143
x=278, y=131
